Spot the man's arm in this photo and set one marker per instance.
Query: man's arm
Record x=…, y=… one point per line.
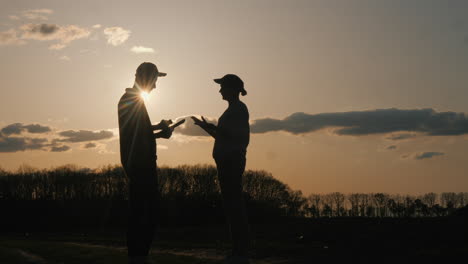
x=164, y=133
x=162, y=125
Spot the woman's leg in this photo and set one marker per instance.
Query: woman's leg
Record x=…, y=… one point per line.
x=230, y=178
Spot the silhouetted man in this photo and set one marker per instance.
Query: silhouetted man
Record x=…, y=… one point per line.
x=138, y=157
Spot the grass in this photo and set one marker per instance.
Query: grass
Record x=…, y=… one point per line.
x=36, y=251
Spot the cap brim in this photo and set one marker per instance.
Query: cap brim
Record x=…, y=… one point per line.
x=218, y=80
x=161, y=74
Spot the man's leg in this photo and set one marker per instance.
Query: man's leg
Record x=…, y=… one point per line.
x=135, y=231
x=143, y=200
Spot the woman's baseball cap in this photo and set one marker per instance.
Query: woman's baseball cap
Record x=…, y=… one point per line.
x=232, y=81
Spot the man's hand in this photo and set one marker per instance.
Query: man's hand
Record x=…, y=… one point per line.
x=164, y=124
x=164, y=133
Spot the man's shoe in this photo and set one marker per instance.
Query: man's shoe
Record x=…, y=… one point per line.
x=140, y=260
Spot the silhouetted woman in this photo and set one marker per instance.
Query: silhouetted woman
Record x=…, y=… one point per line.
x=230, y=147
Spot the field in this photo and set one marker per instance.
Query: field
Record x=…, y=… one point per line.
x=332, y=240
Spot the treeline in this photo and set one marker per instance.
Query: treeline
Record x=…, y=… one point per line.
x=81, y=196
x=191, y=194
x=384, y=205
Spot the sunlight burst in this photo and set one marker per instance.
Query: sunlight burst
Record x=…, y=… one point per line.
x=145, y=96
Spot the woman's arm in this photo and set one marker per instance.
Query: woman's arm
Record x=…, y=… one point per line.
x=208, y=127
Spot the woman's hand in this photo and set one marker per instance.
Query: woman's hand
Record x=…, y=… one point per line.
x=203, y=123
x=208, y=127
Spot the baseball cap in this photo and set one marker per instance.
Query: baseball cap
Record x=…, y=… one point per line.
x=233, y=81
x=147, y=67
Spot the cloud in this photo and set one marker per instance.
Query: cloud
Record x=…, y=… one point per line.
x=90, y=145
x=141, y=49
x=59, y=148
x=97, y=26
x=116, y=35
x=65, y=58
x=15, y=144
x=57, y=46
x=392, y=147
x=36, y=128
x=401, y=136
x=14, y=139
x=47, y=32
x=18, y=128
x=37, y=14
x=359, y=123
x=190, y=129
x=14, y=17
x=10, y=37
x=427, y=155
x=422, y=155
x=84, y=135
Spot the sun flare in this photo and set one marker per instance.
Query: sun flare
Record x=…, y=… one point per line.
x=145, y=96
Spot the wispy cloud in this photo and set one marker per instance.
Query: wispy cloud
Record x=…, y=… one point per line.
x=13, y=17
x=116, y=35
x=84, y=135
x=141, y=49
x=423, y=155
x=59, y=148
x=190, y=129
x=10, y=37
x=89, y=145
x=46, y=32
x=64, y=58
x=37, y=14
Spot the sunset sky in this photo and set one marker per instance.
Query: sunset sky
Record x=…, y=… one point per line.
x=348, y=96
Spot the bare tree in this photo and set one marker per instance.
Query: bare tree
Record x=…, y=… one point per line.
x=354, y=199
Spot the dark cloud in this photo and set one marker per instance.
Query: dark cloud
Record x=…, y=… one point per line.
x=15, y=144
x=427, y=155
x=190, y=129
x=90, y=145
x=12, y=129
x=18, y=128
x=378, y=121
x=63, y=34
x=44, y=29
x=401, y=136
x=35, y=128
x=13, y=140
x=83, y=135
x=59, y=148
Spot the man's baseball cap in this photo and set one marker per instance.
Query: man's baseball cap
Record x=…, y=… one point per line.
x=232, y=81
x=147, y=67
